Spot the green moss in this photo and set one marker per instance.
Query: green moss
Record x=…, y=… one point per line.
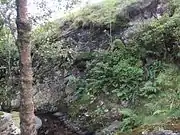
x=83, y=56
x=103, y=14
x=118, y=44
x=160, y=37
x=1, y=114
x=15, y=118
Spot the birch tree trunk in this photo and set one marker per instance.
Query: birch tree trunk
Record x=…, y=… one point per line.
x=27, y=117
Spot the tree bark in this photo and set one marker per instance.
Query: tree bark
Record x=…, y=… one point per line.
x=27, y=117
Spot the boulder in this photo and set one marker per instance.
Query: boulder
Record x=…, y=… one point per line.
x=7, y=126
x=16, y=120
x=10, y=123
x=51, y=82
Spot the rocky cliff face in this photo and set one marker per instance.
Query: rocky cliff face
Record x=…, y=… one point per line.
x=51, y=89
x=90, y=37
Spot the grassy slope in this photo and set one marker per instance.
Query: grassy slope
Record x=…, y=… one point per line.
x=102, y=14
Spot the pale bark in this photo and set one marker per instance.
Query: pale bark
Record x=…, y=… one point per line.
x=27, y=117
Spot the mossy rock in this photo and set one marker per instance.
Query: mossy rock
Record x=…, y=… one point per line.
x=84, y=56
x=80, y=61
x=118, y=45
x=1, y=114
x=101, y=14
x=15, y=118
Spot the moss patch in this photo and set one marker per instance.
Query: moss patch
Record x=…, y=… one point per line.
x=1, y=114
x=15, y=118
x=104, y=14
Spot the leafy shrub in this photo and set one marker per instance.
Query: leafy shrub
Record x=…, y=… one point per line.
x=130, y=120
x=149, y=90
x=9, y=63
x=169, y=79
x=115, y=72
x=162, y=36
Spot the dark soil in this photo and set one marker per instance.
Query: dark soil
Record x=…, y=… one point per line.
x=51, y=125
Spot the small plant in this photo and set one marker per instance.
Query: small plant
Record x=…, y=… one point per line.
x=118, y=45
x=130, y=120
x=149, y=90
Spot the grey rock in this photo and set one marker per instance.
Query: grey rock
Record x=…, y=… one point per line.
x=58, y=114
x=38, y=122
x=110, y=129
x=7, y=126
x=142, y=12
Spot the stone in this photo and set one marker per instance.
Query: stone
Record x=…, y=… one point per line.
x=58, y=114
x=16, y=120
x=110, y=129
x=10, y=123
x=38, y=122
x=7, y=126
x=140, y=13
x=15, y=103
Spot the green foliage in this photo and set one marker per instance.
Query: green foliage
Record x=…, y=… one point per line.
x=114, y=72
x=169, y=81
x=149, y=89
x=4, y=1
x=164, y=105
x=102, y=14
x=46, y=33
x=130, y=120
x=162, y=36
x=9, y=63
x=47, y=47
x=174, y=6
x=118, y=44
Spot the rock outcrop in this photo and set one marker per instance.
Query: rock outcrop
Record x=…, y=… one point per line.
x=51, y=82
x=142, y=12
x=7, y=126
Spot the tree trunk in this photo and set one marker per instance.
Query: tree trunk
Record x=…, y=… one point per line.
x=23, y=42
